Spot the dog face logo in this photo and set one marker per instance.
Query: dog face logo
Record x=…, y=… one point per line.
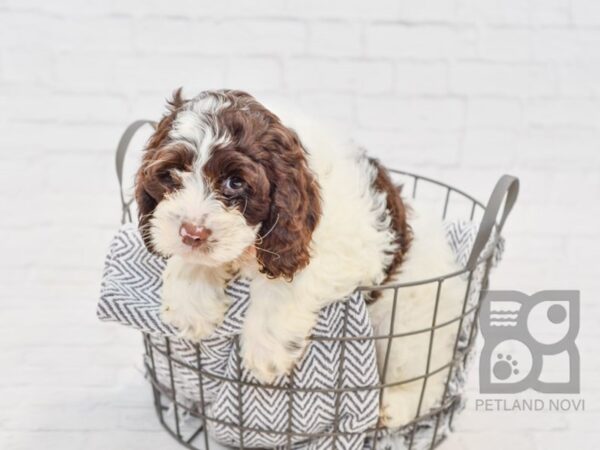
x=529, y=342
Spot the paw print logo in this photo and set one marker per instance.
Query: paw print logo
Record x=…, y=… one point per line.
x=510, y=363
x=505, y=367
x=523, y=334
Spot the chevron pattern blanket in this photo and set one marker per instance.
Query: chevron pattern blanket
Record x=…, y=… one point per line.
x=130, y=295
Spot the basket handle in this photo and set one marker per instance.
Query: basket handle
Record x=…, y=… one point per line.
x=122, y=147
x=507, y=189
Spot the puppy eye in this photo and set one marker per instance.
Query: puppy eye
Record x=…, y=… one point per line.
x=233, y=186
x=165, y=177
x=169, y=179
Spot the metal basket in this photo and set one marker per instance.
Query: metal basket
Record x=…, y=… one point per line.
x=172, y=413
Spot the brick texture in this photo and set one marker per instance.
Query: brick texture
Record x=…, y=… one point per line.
x=461, y=90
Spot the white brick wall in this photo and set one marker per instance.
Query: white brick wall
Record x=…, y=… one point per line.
x=462, y=90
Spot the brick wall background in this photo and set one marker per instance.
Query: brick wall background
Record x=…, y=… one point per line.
x=461, y=90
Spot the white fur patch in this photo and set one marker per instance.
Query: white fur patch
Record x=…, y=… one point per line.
x=193, y=298
x=189, y=127
x=196, y=126
x=429, y=256
x=194, y=203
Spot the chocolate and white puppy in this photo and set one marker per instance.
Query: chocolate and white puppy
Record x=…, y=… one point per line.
x=225, y=188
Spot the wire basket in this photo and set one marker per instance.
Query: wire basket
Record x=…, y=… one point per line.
x=188, y=423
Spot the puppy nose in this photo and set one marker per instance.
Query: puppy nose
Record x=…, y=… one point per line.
x=193, y=235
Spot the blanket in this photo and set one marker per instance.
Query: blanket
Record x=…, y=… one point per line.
x=130, y=295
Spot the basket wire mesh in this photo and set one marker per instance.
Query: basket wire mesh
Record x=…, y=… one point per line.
x=172, y=412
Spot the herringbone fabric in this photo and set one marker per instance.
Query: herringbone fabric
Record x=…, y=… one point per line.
x=130, y=295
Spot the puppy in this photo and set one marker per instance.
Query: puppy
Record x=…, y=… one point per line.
x=225, y=188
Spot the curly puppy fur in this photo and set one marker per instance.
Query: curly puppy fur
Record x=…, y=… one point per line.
x=225, y=188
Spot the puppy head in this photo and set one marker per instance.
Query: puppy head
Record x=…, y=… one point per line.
x=222, y=177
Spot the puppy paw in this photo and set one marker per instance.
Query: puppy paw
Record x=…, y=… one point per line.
x=266, y=358
x=398, y=408
x=192, y=301
x=193, y=327
x=401, y=404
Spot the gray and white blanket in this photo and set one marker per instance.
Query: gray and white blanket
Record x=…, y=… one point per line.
x=130, y=295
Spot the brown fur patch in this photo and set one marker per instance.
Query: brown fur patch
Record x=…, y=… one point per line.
x=294, y=204
x=398, y=212
x=155, y=176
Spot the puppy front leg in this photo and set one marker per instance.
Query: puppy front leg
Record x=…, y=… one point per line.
x=193, y=298
x=276, y=328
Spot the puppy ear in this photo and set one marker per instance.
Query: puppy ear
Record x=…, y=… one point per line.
x=146, y=205
x=145, y=182
x=285, y=237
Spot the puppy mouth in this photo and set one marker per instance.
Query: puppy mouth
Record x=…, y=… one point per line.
x=203, y=249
